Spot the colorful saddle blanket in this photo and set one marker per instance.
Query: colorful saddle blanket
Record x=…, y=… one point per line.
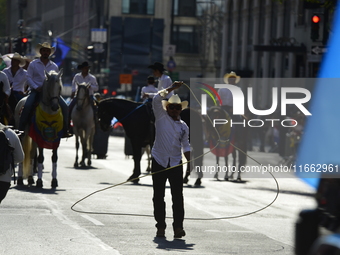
x=46, y=129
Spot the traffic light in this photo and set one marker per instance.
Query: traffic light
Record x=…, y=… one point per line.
x=24, y=42
x=314, y=33
x=90, y=53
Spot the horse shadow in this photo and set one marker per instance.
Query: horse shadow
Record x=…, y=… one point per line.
x=176, y=244
x=40, y=190
x=231, y=180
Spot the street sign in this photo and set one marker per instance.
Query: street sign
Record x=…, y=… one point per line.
x=171, y=65
x=99, y=35
x=169, y=50
x=317, y=50
x=125, y=78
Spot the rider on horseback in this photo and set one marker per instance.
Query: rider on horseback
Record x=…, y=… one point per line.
x=226, y=95
x=17, y=76
x=84, y=77
x=35, y=78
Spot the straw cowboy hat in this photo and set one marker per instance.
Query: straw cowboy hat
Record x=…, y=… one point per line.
x=157, y=66
x=174, y=99
x=44, y=45
x=231, y=75
x=17, y=56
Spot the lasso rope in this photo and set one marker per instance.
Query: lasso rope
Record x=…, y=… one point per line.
x=166, y=169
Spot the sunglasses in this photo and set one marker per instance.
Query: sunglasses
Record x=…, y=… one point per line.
x=178, y=107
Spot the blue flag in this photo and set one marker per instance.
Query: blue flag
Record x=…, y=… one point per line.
x=61, y=51
x=320, y=145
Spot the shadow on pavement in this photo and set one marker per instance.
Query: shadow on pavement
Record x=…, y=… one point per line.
x=176, y=244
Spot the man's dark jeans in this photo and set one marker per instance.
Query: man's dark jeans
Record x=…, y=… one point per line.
x=175, y=177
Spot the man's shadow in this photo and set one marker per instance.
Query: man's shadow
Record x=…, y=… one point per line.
x=175, y=244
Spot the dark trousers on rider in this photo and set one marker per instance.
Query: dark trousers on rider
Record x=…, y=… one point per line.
x=31, y=100
x=175, y=177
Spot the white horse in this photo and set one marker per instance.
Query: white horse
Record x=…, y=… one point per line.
x=46, y=130
x=83, y=124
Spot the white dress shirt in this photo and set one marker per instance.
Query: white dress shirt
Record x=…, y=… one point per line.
x=171, y=136
x=226, y=96
x=164, y=82
x=150, y=89
x=19, y=80
x=6, y=87
x=36, y=74
x=79, y=78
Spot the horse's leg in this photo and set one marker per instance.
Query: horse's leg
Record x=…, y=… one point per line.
x=217, y=164
x=137, y=155
x=40, y=167
x=84, y=149
x=89, y=146
x=20, y=180
x=148, y=153
x=234, y=168
x=54, y=182
x=226, y=176
x=75, y=165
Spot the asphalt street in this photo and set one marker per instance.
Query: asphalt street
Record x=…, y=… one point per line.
x=41, y=221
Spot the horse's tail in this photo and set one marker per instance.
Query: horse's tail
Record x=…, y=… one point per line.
x=27, y=147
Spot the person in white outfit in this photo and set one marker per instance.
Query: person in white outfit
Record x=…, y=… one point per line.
x=18, y=155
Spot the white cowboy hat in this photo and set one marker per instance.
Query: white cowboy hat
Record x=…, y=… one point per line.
x=174, y=99
x=17, y=56
x=231, y=74
x=44, y=45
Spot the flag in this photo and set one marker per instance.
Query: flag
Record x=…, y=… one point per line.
x=320, y=145
x=61, y=50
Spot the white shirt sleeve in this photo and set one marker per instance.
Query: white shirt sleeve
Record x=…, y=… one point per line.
x=4, y=79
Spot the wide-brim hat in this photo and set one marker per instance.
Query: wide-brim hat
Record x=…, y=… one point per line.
x=157, y=66
x=174, y=99
x=231, y=75
x=44, y=45
x=17, y=56
x=84, y=64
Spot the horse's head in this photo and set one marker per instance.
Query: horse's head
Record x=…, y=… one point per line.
x=104, y=116
x=52, y=89
x=82, y=94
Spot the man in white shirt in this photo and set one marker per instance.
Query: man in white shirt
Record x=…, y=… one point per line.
x=172, y=137
x=225, y=94
x=149, y=91
x=164, y=81
x=35, y=78
x=6, y=89
x=81, y=77
x=17, y=76
x=18, y=155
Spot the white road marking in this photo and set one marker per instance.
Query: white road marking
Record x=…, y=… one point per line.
x=94, y=221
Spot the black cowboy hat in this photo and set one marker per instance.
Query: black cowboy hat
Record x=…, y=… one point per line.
x=157, y=66
x=84, y=64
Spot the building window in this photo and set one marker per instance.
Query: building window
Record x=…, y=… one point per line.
x=146, y=7
x=185, y=39
x=185, y=8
